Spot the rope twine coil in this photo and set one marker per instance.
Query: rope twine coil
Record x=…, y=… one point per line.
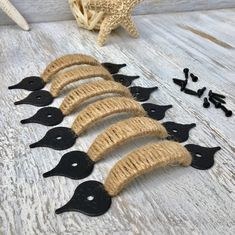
x=144, y=160
x=123, y=132
x=101, y=109
x=88, y=90
x=77, y=74
x=66, y=61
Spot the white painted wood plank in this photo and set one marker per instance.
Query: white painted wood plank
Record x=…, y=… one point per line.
x=174, y=200
x=58, y=10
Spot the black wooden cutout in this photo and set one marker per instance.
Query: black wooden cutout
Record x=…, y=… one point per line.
x=113, y=68
x=141, y=93
x=124, y=79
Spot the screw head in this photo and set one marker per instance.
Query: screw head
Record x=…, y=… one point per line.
x=206, y=103
x=194, y=78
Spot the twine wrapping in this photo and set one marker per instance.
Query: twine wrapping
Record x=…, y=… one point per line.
x=123, y=132
x=144, y=160
x=86, y=91
x=66, y=61
x=101, y=109
x=77, y=74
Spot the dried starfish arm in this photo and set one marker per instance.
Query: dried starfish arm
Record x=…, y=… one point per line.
x=14, y=14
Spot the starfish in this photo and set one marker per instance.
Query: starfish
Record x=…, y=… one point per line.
x=116, y=13
x=14, y=14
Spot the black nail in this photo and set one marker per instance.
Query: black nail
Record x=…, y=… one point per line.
x=213, y=101
x=216, y=94
x=206, y=103
x=227, y=112
x=219, y=99
x=190, y=92
x=200, y=92
x=186, y=72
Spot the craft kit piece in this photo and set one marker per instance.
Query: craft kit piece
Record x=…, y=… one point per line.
x=35, y=83
x=61, y=138
x=73, y=164
x=7, y=7
x=43, y=98
x=86, y=18
x=116, y=13
x=51, y=116
x=93, y=198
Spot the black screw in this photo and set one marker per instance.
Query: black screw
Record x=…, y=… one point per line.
x=186, y=72
x=194, y=78
x=219, y=99
x=200, y=92
x=228, y=113
x=184, y=84
x=206, y=103
x=213, y=101
x=215, y=94
x=190, y=92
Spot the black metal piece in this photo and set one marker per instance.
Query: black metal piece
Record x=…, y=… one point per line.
x=37, y=98
x=227, y=112
x=215, y=94
x=186, y=72
x=32, y=83
x=48, y=116
x=213, y=101
x=74, y=165
x=59, y=138
x=206, y=103
x=90, y=198
x=194, y=78
x=179, y=82
x=178, y=132
x=190, y=92
x=141, y=93
x=124, y=79
x=200, y=92
x=156, y=112
x=219, y=99
x=202, y=157
x=113, y=68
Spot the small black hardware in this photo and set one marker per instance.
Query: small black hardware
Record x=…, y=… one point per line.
x=227, y=112
x=213, y=101
x=200, y=92
x=194, y=78
x=219, y=99
x=206, y=103
x=215, y=94
x=186, y=72
x=190, y=92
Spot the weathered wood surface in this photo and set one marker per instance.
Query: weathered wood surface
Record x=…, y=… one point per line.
x=174, y=200
x=58, y=10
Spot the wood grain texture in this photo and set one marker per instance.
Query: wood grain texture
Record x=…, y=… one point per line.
x=173, y=200
x=58, y=10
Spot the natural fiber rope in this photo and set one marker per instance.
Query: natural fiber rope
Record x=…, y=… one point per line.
x=143, y=160
x=66, y=61
x=101, y=109
x=77, y=74
x=86, y=91
x=123, y=132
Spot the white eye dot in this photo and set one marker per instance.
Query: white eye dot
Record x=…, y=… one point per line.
x=198, y=155
x=74, y=164
x=49, y=115
x=175, y=131
x=58, y=137
x=90, y=198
